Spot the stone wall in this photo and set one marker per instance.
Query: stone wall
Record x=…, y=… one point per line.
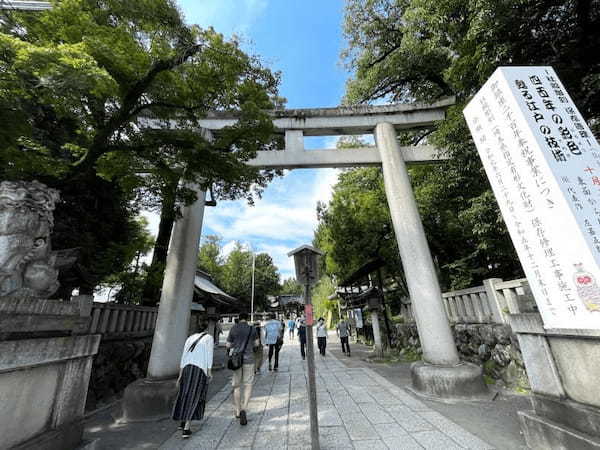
x=118, y=363
x=493, y=346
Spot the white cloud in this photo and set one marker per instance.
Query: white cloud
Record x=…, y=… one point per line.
x=284, y=219
x=227, y=248
x=278, y=253
x=226, y=16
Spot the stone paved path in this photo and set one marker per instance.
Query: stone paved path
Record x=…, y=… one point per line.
x=358, y=409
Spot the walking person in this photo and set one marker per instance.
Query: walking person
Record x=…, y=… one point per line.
x=243, y=340
x=302, y=338
x=321, y=335
x=194, y=375
x=258, y=351
x=273, y=331
x=291, y=326
x=343, y=331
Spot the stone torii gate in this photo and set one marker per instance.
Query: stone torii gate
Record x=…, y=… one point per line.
x=441, y=373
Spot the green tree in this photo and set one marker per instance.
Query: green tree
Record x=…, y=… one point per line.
x=323, y=307
x=104, y=99
x=355, y=227
x=406, y=50
x=291, y=287
x=234, y=273
x=130, y=281
x=210, y=258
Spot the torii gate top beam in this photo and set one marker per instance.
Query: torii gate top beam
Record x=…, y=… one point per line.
x=25, y=5
x=344, y=120
x=341, y=121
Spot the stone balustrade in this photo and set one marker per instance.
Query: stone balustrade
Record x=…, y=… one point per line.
x=489, y=303
x=115, y=321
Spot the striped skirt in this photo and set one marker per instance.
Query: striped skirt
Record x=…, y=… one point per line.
x=191, y=398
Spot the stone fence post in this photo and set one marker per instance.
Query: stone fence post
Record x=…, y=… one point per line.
x=496, y=300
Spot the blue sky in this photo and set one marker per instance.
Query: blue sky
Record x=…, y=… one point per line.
x=303, y=40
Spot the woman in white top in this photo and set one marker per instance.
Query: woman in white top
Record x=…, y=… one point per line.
x=195, y=372
x=321, y=335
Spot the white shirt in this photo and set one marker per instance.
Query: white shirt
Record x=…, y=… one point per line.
x=202, y=355
x=322, y=330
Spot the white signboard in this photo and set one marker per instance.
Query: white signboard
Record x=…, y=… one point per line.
x=544, y=166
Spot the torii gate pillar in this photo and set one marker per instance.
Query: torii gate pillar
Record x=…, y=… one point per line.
x=441, y=373
x=151, y=398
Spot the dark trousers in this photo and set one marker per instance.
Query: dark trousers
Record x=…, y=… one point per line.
x=322, y=343
x=274, y=348
x=345, y=345
x=303, y=349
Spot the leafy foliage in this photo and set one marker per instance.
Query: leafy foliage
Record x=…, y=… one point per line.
x=406, y=50
x=103, y=101
x=234, y=273
x=291, y=287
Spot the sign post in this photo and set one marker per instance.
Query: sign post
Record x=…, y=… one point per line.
x=306, y=264
x=544, y=166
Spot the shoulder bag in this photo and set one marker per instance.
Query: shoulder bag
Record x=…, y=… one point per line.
x=236, y=358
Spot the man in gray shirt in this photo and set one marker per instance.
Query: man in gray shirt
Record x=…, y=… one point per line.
x=343, y=331
x=242, y=334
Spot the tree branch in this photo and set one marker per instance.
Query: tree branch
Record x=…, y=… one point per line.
x=128, y=105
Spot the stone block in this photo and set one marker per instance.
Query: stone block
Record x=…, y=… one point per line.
x=43, y=385
x=585, y=419
x=148, y=400
x=542, y=434
x=18, y=392
x=578, y=362
x=543, y=374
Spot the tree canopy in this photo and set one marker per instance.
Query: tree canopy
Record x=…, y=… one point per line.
x=103, y=101
x=421, y=50
x=233, y=273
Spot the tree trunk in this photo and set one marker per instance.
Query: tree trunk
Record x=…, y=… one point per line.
x=153, y=284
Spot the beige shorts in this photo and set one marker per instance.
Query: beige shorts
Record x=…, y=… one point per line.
x=244, y=375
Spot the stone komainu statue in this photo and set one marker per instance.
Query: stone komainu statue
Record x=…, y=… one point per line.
x=27, y=264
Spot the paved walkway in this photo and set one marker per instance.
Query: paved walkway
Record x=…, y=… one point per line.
x=358, y=409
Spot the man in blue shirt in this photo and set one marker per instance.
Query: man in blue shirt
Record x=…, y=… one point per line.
x=291, y=326
x=273, y=332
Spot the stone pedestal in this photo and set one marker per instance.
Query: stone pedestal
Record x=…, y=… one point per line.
x=43, y=380
x=460, y=381
x=563, y=368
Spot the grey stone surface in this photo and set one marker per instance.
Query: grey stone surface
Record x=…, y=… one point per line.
x=543, y=434
x=147, y=400
x=18, y=392
x=346, y=420
x=371, y=444
x=173, y=319
x=435, y=439
x=436, y=337
x=583, y=418
x=542, y=371
x=42, y=389
x=358, y=119
x=464, y=380
x=578, y=362
x=26, y=257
